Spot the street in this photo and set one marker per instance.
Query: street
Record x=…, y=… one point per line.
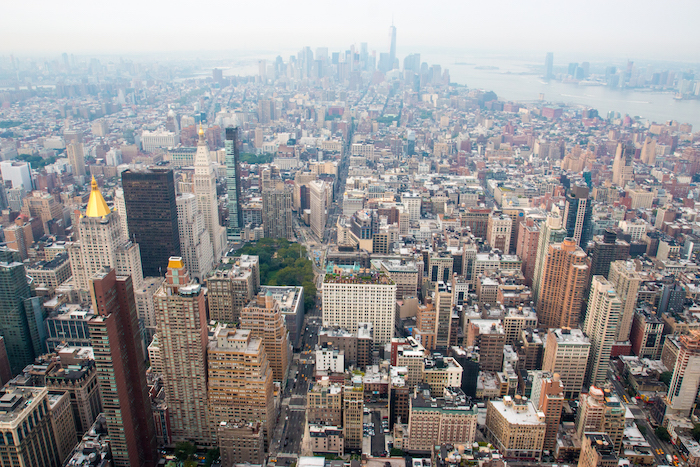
x=286, y=443
x=658, y=447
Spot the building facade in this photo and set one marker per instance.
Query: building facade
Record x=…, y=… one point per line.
x=103, y=243
x=233, y=186
x=348, y=300
x=602, y=318
x=151, y=209
x=22, y=325
x=207, y=201
x=566, y=354
x=626, y=281
x=264, y=319
x=277, y=212
x=183, y=337
x=195, y=241
x=516, y=428
x=563, y=285
x=121, y=371
x=240, y=384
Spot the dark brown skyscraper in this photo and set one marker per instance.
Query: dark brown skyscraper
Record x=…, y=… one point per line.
x=151, y=212
x=607, y=249
x=121, y=371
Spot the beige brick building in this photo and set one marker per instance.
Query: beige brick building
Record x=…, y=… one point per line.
x=516, y=428
x=326, y=440
x=324, y=403
x=265, y=321
x=353, y=408
x=441, y=373
x=26, y=429
x=62, y=423
x=183, y=338
x=566, y=353
x=440, y=420
x=597, y=450
x=240, y=382
x=241, y=443
x=232, y=287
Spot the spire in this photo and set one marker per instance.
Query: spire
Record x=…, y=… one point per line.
x=201, y=157
x=97, y=206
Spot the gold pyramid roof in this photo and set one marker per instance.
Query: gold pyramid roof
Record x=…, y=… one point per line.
x=97, y=206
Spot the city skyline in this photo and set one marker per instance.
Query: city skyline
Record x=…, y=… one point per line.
x=85, y=30
x=347, y=250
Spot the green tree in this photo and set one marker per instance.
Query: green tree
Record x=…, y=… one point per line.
x=696, y=432
x=281, y=264
x=250, y=158
x=662, y=433
x=184, y=450
x=396, y=452
x=211, y=457
x=665, y=377
x=36, y=161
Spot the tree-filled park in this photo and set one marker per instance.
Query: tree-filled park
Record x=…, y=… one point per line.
x=283, y=263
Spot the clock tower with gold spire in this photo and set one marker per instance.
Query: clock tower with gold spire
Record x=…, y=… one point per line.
x=205, y=191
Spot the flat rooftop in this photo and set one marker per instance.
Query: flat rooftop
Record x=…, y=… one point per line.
x=367, y=278
x=571, y=336
x=15, y=402
x=518, y=413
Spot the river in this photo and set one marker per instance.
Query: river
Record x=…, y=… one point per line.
x=514, y=80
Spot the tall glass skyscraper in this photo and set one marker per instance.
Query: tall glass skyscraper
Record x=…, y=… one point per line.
x=233, y=184
x=21, y=315
x=392, y=46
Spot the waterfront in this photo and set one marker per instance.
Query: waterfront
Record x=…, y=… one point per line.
x=520, y=80
x=516, y=80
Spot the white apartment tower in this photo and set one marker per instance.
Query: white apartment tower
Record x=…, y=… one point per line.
x=412, y=202
x=195, y=243
x=120, y=207
x=352, y=299
x=566, y=353
x=207, y=201
x=683, y=389
x=626, y=281
x=498, y=231
x=602, y=318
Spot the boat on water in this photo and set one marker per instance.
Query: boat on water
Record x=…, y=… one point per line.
x=587, y=82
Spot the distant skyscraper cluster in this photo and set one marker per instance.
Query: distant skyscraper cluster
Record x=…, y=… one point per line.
x=476, y=269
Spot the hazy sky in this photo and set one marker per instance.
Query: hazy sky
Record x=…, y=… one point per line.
x=621, y=28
